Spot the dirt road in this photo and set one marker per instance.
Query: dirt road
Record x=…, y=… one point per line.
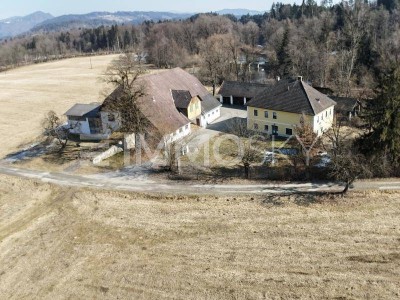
x=139, y=182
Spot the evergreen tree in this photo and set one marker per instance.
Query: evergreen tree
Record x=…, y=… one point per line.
x=283, y=55
x=383, y=117
x=390, y=5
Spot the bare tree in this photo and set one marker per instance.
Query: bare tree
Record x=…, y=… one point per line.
x=346, y=163
x=54, y=128
x=171, y=156
x=123, y=74
x=250, y=153
x=307, y=141
x=238, y=126
x=216, y=59
x=250, y=156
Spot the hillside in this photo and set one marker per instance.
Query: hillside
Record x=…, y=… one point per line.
x=239, y=12
x=16, y=25
x=96, y=19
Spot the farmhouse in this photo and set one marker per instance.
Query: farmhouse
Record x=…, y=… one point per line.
x=278, y=109
x=239, y=93
x=173, y=100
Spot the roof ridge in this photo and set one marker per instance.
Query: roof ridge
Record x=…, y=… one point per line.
x=308, y=98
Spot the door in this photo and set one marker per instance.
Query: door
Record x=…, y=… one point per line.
x=274, y=130
x=95, y=125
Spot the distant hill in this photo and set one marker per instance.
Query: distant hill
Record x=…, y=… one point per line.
x=17, y=25
x=96, y=19
x=240, y=12
x=40, y=21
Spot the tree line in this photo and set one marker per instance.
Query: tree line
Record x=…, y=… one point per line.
x=343, y=46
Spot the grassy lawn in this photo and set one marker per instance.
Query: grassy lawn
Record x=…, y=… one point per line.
x=69, y=244
x=28, y=93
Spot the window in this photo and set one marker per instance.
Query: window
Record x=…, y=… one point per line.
x=289, y=131
x=266, y=114
x=111, y=118
x=274, y=115
x=317, y=119
x=255, y=126
x=209, y=115
x=180, y=130
x=187, y=127
x=326, y=115
x=275, y=129
x=266, y=128
x=256, y=113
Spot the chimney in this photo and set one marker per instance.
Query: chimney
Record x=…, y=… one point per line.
x=300, y=78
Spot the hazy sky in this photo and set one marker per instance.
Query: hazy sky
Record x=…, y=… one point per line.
x=10, y=8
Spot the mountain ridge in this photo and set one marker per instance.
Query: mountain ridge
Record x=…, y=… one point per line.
x=13, y=26
x=41, y=21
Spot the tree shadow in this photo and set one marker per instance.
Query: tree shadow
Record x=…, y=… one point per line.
x=304, y=199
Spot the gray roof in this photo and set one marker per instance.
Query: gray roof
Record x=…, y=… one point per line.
x=81, y=110
x=293, y=96
x=345, y=104
x=208, y=103
x=241, y=89
x=181, y=98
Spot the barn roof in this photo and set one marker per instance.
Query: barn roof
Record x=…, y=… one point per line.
x=293, y=96
x=158, y=105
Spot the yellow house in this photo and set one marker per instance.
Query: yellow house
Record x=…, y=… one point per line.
x=278, y=109
x=187, y=105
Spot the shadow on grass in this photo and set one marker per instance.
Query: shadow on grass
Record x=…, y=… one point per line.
x=301, y=198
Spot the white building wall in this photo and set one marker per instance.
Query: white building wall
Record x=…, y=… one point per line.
x=212, y=115
x=179, y=134
x=324, y=120
x=79, y=127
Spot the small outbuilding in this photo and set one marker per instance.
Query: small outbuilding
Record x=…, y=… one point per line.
x=85, y=121
x=347, y=108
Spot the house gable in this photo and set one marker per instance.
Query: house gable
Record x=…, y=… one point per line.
x=278, y=110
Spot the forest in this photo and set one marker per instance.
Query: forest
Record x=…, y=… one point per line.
x=344, y=46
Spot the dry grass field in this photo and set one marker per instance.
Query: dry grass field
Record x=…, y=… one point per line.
x=58, y=243
x=27, y=93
